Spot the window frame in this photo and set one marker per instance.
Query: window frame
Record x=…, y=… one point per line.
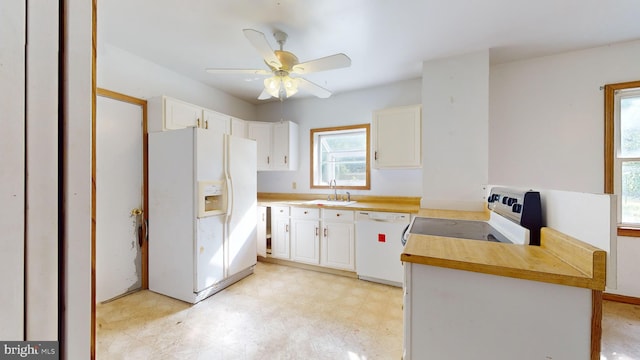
x=610, y=142
x=312, y=160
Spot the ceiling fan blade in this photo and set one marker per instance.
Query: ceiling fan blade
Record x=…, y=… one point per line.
x=239, y=71
x=326, y=63
x=264, y=95
x=259, y=41
x=313, y=88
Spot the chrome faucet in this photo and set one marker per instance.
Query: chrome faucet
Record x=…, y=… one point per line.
x=333, y=185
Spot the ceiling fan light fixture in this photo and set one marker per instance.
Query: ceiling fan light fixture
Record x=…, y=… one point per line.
x=272, y=86
x=281, y=85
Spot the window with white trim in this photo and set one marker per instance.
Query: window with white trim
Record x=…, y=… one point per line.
x=340, y=154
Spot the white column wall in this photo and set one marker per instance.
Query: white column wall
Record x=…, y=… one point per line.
x=455, y=118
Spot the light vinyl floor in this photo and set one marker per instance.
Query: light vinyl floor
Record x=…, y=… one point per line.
x=281, y=312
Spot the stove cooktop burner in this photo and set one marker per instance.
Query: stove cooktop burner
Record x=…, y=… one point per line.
x=463, y=229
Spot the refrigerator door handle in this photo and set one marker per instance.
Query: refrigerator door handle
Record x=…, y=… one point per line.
x=229, y=182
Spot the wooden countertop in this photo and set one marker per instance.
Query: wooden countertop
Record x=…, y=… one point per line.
x=363, y=203
x=560, y=259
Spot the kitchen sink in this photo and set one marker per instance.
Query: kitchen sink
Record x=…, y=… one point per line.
x=329, y=202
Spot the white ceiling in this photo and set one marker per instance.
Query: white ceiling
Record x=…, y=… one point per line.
x=387, y=40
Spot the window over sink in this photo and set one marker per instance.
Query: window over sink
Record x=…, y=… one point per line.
x=340, y=154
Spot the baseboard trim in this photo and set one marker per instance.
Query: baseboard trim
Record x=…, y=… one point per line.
x=271, y=260
x=621, y=298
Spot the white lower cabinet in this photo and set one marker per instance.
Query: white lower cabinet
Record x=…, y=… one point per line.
x=338, y=239
x=305, y=235
x=313, y=236
x=280, y=232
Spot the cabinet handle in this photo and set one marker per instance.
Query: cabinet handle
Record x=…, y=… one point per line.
x=375, y=155
x=317, y=230
x=325, y=232
x=268, y=160
x=262, y=216
x=197, y=122
x=285, y=159
x=206, y=124
x=306, y=212
x=286, y=228
x=337, y=214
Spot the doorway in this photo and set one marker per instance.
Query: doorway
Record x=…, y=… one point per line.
x=121, y=195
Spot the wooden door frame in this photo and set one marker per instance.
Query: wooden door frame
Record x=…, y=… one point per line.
x=145, y=205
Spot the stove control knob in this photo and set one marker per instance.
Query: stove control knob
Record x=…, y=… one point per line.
x=516, y=208
x=512, y=201
x=505, y=200
x=494, y=197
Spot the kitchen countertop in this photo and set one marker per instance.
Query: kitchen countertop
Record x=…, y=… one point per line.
x=363, y=203
x=559, y=259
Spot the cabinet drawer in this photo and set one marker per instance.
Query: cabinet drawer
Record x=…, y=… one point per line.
x=337, y=215
x=279, y=211
x=305, y=213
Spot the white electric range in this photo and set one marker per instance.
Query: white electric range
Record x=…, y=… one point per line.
x=515, y=218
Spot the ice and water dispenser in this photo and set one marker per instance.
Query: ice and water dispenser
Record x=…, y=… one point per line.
x=211, y=198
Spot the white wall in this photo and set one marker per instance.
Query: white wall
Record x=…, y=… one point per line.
x=628, y=267
x=77, y=185
x=42, y=171
x=129, y=74
x=12, y=168
x=546, y=128
x=547, y=117
x=348, y=108
x=455, y=113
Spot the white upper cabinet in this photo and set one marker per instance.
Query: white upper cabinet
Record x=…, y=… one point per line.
x=261, y=132
x=238, y=127
x=397, y=137
x=216, y=121
x=277, y=144
x=166, y=113
x=285, y=138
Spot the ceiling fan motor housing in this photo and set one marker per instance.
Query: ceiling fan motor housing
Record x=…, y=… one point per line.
x=287, y=59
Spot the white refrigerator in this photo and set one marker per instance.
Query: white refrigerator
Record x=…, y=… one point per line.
x=202, y=212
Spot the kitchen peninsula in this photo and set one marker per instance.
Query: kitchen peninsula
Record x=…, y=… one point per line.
x=475, y=299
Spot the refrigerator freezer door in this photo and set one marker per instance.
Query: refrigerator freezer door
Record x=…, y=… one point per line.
x=242, y=186
x=209, y=252
x=209, y=153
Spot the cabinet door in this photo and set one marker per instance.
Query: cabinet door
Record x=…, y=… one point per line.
x=261, y=132
x=280, y=238
x=338, y=245
x=261, y=232
x=285, y=146
x=305, y=241
x=280, y=232
x=180, y=115
x=216, y=121
x=397, y=137
x=238, y=127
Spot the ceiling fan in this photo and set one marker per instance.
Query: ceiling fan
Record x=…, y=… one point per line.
x=282, y=64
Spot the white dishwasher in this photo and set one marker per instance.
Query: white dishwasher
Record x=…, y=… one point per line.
x=379, y=245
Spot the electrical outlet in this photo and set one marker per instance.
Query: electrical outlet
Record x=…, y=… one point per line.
x=294, y=185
